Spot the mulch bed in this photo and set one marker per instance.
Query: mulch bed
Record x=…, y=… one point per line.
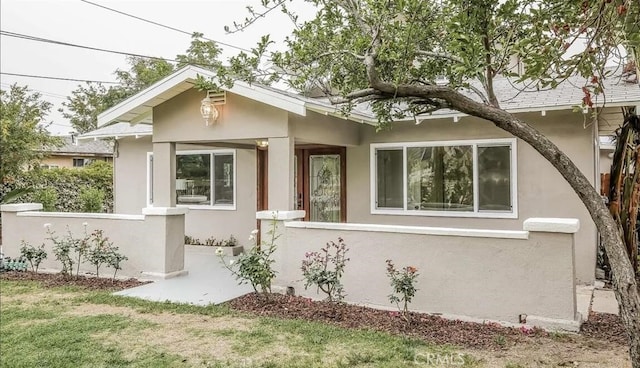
x=431, y=328
x=427, y=327
x=605, y=326
x=57, y=279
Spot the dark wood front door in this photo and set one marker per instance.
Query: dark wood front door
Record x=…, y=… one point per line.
x=320, y=183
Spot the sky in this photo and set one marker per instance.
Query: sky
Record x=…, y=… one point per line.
x=78, y=22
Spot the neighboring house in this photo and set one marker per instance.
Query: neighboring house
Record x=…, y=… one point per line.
x=73, y=153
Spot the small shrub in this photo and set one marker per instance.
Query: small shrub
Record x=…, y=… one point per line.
x=99, y=250
x=62, y=249
x=35, y=255
x=403, y=284
x=48, y=197
x=231, y=242
x=81, y=247
x=191, y=240
x=115, y=259
x=91, y=199
x=256, y=266
x=212, y=242
x=324, y=269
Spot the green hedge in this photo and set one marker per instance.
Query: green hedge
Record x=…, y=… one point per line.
x=68, y=190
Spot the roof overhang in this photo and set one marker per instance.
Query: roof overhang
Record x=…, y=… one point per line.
x=139, y=107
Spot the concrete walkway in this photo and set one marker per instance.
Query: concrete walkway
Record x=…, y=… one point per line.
x=595, y=298
x=208, y=282
x=604, y=301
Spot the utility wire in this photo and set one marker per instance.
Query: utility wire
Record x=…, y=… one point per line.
x=163, y=25
x=57, y=78
x=44, y=93
x=61, y=43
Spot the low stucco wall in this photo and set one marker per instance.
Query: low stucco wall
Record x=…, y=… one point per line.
x=473, y=274
x=154, y=242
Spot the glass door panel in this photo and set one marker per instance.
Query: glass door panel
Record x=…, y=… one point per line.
x=324, y=188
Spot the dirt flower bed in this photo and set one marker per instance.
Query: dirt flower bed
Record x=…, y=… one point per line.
x=56, y=279
x=431, y=328
x=605, y=326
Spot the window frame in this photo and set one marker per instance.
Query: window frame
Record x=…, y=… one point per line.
x=78, y=159
x=210, y=206
x=474, y=143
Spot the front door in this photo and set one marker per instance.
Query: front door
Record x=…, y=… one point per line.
x=321, y=183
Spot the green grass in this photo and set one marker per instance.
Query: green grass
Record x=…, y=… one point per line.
x=41, y=331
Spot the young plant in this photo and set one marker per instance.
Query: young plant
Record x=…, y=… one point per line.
x=325, y=268
x=256, y=266
x=35, y=255
x=100, y=250
x=81, y=247
x=231, y=242
x=115, y=259
x=403, y=283
x=62, y=249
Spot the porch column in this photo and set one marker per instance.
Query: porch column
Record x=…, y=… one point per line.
x=164, y=174
x=281, y=160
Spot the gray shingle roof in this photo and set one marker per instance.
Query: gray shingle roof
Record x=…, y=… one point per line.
x=520, y=97
x=83, y=147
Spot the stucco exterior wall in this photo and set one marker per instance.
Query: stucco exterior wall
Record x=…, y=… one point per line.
x=316, y=128
x=131, y=192
x=130, y=175
x=153, y=243
x=542, y=192
x=497, y=276
x=179, y=120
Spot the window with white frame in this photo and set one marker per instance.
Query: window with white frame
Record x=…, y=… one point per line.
x=452, y=178
x=203, y=178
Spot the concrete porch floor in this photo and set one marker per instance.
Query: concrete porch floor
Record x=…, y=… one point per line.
x=208, y=282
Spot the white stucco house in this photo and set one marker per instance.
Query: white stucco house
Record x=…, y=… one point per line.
x=494, y=228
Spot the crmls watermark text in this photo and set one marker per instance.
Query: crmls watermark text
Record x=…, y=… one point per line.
x=439, y=359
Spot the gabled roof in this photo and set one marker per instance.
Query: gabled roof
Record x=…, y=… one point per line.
x=118, y=130
x=138, y=108
x=515, y=98
x=69, y=147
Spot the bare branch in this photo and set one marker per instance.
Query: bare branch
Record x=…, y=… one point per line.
x=437, y=55
x=254, y=17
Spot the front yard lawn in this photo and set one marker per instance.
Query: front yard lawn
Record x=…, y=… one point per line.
x=74, y=327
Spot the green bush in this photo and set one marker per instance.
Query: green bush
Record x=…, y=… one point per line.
x=48, y=197
x=91, y=199
x=66, y=182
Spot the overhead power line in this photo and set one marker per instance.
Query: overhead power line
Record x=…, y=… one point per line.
x=62, y=43
x=57, y=78
x=162, y=25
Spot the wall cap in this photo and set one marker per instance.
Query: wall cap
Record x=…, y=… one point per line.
x=552, y=225
x=21, y=207
x=164, y=211
x=442, y=231
x=103, y=216
x=280, y=215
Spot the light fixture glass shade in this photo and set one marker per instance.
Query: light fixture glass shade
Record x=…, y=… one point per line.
x=208, y=110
